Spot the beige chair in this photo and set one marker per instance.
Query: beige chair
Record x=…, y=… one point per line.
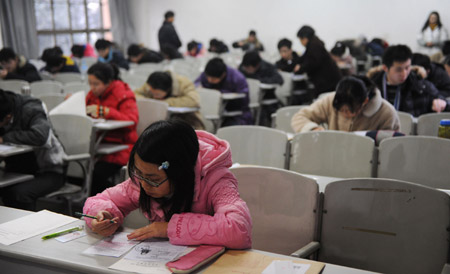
x=283, y=117
x=383, y=225
x=13, y=85
x=51, y=100
x=67, y=77
x=134, y=80
x=407, y=124
x=144, y=70
x=45, y=87
x=74, y=87
x=256, y=145
x=283, y=206
x=428, y=124
x=332, y=153
x=211, y=106
x=254, y=93
x=284, y=91
x=150, y=111
x=419, y=159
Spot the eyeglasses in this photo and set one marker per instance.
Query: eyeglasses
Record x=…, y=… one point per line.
x=153, y=184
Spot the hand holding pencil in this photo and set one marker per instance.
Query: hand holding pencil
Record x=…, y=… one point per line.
x=104, y=223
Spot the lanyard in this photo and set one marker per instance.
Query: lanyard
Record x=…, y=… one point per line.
x=397, y=93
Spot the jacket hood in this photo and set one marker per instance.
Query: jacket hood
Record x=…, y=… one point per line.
x=373, y=105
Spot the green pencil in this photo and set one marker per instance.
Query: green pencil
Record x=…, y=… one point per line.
x=57, y=234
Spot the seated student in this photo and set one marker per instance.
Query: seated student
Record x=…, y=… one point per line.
x=177, y=91
x=447, y=64
x=254, y=67
x=218, y=75
x=108, y=54
x=344, y=60
x=24, y=121
x=195, y=49
x=16, y=67
x=139, y=55
x=180, y=181
x=403, y=88
x=111, y=99
x=289, y=58
x=433, y=72
x=356, y=105
x=56, y=62
x=216, y=46
x=80, y=51
x=316, y=62
x=250, y=43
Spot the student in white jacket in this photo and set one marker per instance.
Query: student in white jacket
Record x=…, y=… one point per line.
x=433, y=35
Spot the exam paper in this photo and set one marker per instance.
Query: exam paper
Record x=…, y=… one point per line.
x=5, y=147
x=71, y=236
x=112, y=246
x=286, y=267
x=31, y=225
x=150, y=251
x=76, y=104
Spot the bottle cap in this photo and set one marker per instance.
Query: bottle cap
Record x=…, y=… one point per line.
x=445, y=122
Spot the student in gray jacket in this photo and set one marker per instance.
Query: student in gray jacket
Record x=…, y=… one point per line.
x=24, y=121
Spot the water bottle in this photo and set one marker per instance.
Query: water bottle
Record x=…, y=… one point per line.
x=26, y=90
x=444, y=129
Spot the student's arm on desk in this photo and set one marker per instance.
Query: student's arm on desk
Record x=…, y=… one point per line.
x=230, y=226
x=35, y=135
x=309, y=118
x=189, y=96
x=119, y=201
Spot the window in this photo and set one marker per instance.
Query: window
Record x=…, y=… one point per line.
x=66, y=22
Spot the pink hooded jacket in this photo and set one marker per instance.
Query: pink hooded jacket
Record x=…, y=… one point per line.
x=218, y=215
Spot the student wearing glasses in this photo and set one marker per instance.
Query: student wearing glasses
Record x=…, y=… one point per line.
x=179, y=179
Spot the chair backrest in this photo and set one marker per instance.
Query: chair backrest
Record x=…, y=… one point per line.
x=284, y=91
x=406, y=123
x=13, y=85
x=210, y=103
x=332, y=153
x=419, y=159
x=45, y=87
x=134, y=80
x=281, y=223
x=74, y=87
x=386, y=226
x=51, y=100
x=284, y=115
x=254, y=92
x=146, y=69
x=150, y=111
x=74, y=141
x=428, y=124
x=256, y=145
x=67, y=77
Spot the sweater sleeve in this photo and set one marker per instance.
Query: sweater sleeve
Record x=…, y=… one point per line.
x=189, y=96
x=142, y=92
x=230, y=226
x=310, y=117
x=119, y=201
x=126, y=111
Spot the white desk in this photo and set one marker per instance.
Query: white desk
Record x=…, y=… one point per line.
x=10, y=178
x=36, y=256
x=322, y=181
x=7, y=150
x=111, y=124
x=299, y=77
x=173, y=110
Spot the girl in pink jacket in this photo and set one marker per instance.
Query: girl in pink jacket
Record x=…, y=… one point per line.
x=180, y=180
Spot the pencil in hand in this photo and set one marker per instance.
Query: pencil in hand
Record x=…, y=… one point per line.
x=90, y=216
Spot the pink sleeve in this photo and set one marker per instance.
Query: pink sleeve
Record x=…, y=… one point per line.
x=119, y=201
x=231, y=225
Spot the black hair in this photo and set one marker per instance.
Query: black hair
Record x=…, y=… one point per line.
x=215, y=68
x=446, y=48
x=161, y=80
x=352, y=91
x=427, y=23
x=306, y=32
x=421, y=60
x=251, y=58
x=192, y=45
x=284, y=43
x=53, y=57
x=102, y=44
x=169, y=14
x=105, y=72
x=338, y=49
x=134, y=50
x=176, y=142
x=6, y=104
x=7, y=54
x=447, y=60
x=252, y=33
x=78, y=50
x=397, y=53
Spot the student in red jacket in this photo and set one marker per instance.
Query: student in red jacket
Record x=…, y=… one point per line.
x=111, y=99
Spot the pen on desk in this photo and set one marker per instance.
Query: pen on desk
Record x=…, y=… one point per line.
x=89, y=216
x=57, y=234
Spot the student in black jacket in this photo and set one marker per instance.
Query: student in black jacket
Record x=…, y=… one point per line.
x=108, y=54
x=167, y=35
x=289, y=58
x=16, y=67
x=139, y=55
x=433, y=72
x=317, y=63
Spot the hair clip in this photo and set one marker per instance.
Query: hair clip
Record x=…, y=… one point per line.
x=164, y=165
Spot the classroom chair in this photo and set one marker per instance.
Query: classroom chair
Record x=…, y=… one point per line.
x=407, y=125
x=51, y=100
x=146, y=69
x=13, y=85
x=67, y=77
x=45, y=87
x=256, y=145
x=135, y=80
x=150, y=111
x=332, y=153
x=211, y=107
x=284, y=91
x=283, y=116
x=73, y=87
x=254, y=94
x=283, y=205
x=383, y=225
x=428, y=124
x=422, y=160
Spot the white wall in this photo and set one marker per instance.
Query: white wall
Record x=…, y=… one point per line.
x=397, y=21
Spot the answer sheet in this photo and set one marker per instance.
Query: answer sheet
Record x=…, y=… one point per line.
x=112, y=246
x=31, y=225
